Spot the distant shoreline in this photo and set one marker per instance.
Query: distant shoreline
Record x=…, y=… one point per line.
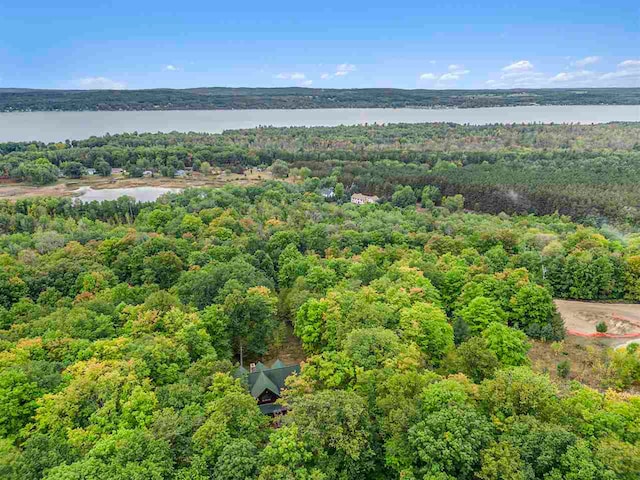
x=294, y=98
x=410, y=107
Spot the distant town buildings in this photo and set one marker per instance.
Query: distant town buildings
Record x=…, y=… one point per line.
x=361, y=198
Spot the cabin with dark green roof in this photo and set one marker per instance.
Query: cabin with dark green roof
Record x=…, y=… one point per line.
x=266, y=383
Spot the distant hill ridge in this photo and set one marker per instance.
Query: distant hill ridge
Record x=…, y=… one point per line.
x=226, y=98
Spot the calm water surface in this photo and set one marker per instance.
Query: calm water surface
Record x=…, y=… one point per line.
x=59, y=126
x=141, y=194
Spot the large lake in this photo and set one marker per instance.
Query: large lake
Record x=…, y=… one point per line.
x=59, y=126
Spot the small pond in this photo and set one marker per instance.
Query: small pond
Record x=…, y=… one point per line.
x=141, y=194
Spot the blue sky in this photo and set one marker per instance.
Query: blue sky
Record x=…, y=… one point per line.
x=401, y=44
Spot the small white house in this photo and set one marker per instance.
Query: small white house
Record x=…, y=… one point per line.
x=361, y=199
x=91, y=171
x=327, y=193
x=147, y=173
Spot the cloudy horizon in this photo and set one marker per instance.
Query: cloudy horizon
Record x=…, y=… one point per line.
x=459, y=45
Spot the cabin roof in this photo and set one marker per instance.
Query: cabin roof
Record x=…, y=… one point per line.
x=263, y=383
x=264, y=378
x=277, y=364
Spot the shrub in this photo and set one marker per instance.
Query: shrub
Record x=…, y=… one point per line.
x=552, y=331
x=564, y=369
x=601, y=327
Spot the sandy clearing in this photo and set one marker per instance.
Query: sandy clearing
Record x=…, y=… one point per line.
x=582, y=317
x=67, y=187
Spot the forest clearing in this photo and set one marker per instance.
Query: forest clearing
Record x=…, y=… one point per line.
x=581, y=319
x=67, y=187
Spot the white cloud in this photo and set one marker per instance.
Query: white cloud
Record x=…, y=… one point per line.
x=627, y=64
x=587, y=61
x=618, y=74
x=623, y=78
x=522, y=74
x=519, y=66
x=291, y=76
x=346, y=67
x=458, y=70
x=519, y=79
x=529, y=79
x=580, y=75
x=100, y=83
x=325, y=76
x=447, y=77
x=306, y=83
x=171, y=68
x=626, y=75
x=455, y=72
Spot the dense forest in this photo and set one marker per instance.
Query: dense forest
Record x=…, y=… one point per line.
x=218, y=98
x=121, y=324
x=589, y=172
